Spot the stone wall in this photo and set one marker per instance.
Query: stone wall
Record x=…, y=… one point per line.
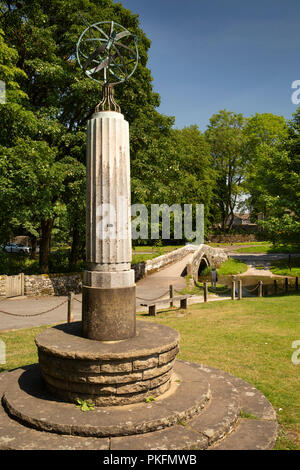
x=52, y=284
x=160, y=262
x=47, y=284
x=235, y=238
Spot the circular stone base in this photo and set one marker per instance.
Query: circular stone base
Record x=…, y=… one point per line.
x=186, y=417
x=107, y=373
x=28, y=401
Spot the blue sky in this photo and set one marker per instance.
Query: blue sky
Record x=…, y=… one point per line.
x=208, y=55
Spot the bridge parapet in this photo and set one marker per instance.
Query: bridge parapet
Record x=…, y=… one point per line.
x=212, y=256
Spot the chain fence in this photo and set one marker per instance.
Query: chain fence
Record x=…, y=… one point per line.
x=156, y=298
x=263, y=290
x=250, y=290
x=34, y=314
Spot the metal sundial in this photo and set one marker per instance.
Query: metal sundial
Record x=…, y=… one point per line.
x=108, y=54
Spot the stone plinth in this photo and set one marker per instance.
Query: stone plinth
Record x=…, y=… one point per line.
x=108, y=309
x=107, y=373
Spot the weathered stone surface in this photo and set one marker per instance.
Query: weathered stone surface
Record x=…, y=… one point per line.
x=160, y=380
x=27, y=399
x=113, y=368
x=174, y=438
x=221, y=414
x=251, y=400
x=250, y=434
x=52, y=284
x=145, y=363
x=134, y=388
x=108, y=314
x=163, y=424
x=150, y=373
x=65, y=342
x=108, y=183
x=168, y=356
x=115, y=379
x=76, y=367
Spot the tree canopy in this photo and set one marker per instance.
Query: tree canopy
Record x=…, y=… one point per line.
x=43, y=136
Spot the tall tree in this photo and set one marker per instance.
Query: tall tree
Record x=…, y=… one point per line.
x=61, y=98
x=273, y=179
x=226, y=138
x=265, y=133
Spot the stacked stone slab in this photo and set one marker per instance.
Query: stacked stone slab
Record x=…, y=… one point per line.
x=107, y=374
x=204, y=408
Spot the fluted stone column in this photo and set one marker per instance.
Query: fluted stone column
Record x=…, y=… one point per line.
x=108, y=311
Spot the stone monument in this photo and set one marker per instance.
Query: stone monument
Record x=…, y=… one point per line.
x=140, y=397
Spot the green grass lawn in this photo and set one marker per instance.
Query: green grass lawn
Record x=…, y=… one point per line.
x=251, y=339
x=229, y=267
x=281, y=267
x=268, y=248
x=220, y=245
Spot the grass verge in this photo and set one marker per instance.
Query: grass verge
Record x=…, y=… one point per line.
x=251, y=339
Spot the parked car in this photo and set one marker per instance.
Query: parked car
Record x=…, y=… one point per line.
x=16, y=248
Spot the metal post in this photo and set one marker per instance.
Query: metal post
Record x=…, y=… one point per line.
x=152, y=310
x=171, y=295
x=205, y=291
x=260, y=289
x=240, y=287
x=275, y=286
x=183, y=303
x=286, y=285
x=266, y=290
x=233, y=290
x=70, y=307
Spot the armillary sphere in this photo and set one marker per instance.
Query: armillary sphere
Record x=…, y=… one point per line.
x=107, y=53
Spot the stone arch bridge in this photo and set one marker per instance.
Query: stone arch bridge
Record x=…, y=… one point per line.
x=192, y=257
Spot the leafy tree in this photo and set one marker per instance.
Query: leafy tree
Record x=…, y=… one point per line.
x=43, y=36
x=226, y=138
x=264, y=134
x=273, y=179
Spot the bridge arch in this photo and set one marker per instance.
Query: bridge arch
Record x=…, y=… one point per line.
x=205, y=256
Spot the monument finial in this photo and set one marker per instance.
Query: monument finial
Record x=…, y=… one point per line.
x=106, y=60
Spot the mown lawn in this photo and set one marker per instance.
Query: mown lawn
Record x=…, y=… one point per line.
x=251, y=339
x=268, y=248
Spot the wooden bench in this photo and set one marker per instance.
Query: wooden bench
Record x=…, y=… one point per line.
x=152, y=305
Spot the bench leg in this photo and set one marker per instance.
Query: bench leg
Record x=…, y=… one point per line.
x=152, y=310
x=183, y=303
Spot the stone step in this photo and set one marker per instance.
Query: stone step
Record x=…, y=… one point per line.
x=218, y=426
x=250, y=434
x=27, y=400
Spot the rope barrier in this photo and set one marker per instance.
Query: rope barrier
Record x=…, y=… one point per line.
x=34, y=314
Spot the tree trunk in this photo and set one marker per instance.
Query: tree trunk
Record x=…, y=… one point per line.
x=75, y=248
x=33, y=241
x=46, y=227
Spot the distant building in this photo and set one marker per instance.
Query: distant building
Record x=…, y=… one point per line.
x=241, y=219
